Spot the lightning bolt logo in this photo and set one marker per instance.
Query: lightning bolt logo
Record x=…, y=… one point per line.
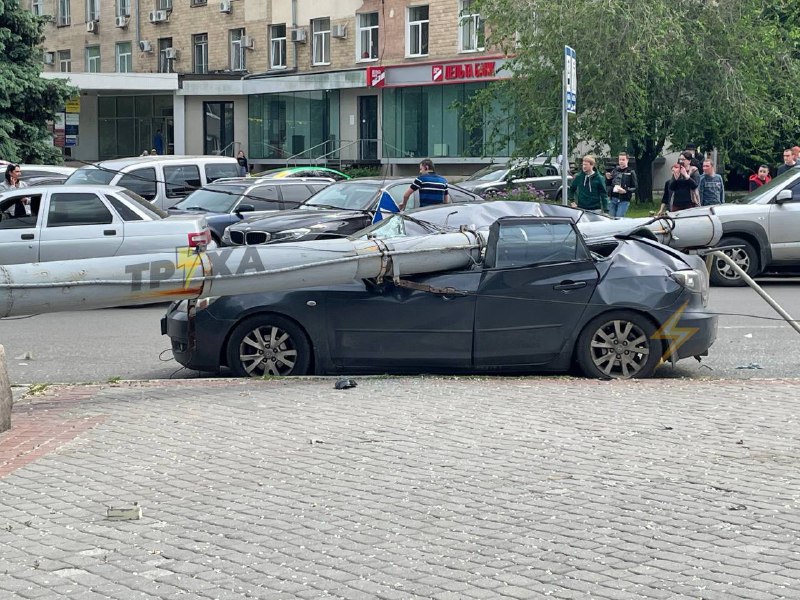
x=188, y=260
x=677, y=336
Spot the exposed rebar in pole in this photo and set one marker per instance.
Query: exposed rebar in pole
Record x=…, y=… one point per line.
x=749, y=280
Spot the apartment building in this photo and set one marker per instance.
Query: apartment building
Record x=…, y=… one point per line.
x=284, y=80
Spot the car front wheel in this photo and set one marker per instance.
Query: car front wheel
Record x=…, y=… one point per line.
x=619, y=345
x=744, y=255
x=268, y=345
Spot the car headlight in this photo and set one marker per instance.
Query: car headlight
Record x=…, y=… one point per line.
x=693, y=280
x=289, y=234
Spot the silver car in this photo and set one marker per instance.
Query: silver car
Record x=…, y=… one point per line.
x=762, y=233
x=64, y=222
x=501, y=179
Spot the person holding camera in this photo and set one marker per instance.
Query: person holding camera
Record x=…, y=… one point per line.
x=680, y=191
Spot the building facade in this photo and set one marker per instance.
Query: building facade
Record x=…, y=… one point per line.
x=286, y=81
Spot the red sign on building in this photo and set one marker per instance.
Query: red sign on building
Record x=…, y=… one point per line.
x=464, y=71
x=376, y=76
x=436, y=72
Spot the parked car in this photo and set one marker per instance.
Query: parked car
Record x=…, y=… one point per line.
x=539, y=299
x=496, y=178
x=50, y=180
x=164, y=180
x=306, y=171
x=762, y=233
x=72, y=222
x=337, y=211
x=228, y=201
x=30, y=172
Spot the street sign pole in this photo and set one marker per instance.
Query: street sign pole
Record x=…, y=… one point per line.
x=569, y=101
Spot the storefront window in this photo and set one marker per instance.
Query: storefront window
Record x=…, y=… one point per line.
x=303, y=125
x=127, y=124
x=423, y=122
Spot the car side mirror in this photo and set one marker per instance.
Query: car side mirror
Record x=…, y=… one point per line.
x=783, y=196
x=245, y=208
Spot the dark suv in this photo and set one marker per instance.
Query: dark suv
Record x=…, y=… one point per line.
x=228, y=201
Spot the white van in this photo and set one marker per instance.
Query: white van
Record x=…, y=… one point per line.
x=164, y=180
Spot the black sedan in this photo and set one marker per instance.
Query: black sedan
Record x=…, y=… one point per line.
x=539, y=299
x=337, y=211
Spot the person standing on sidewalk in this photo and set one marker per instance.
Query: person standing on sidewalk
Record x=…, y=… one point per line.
x=711, y=187
x=588, y=188
x=789, y=161
x=761, y=178
x=623, y=185
x=432, y=187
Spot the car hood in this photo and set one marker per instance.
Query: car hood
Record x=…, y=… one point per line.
x=292, y=219
x=471, y=186
x=726, y=212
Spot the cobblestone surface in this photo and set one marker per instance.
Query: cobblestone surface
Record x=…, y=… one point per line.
x=404, y=488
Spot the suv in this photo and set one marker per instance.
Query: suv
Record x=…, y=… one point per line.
x=164, y=180
x=228, y=201
x=537, y=172
x=763, y=231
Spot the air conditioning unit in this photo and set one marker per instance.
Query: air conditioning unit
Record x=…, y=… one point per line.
x=145, y=46
x=121, y=21
x=339, y=31
x=91, y=26
x=170, y=53
x=298, y=35
x=248, y=42
x=158, y=16
x=225, y=7
x=49, y=58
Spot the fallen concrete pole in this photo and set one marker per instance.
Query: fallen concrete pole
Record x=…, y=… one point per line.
x=146, y=279
x=5, y=393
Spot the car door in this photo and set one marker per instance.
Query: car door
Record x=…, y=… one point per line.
x=784, y=226
x=19, y=230
x=140, y=181
x=294, y=194
x=386, y=327
x=79, y=225
x=534, y=290
x=180, y=180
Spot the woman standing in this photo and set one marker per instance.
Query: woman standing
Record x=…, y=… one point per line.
x=242, y=160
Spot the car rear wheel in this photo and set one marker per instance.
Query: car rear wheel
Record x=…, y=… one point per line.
x=268, y=345
x=619, y=345
x=745, y=256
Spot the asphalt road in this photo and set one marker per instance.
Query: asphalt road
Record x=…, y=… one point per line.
x=125, y=343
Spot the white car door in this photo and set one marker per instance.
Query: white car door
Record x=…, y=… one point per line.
x=784, y=226
x=79, y=225
x=19, y=228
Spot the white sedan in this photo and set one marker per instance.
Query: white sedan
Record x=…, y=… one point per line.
x=63, y=222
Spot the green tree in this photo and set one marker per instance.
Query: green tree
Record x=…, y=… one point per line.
x=718, y=72
x=27, y=101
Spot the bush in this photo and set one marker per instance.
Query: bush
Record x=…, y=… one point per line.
x=362, y=171
x=528, y=193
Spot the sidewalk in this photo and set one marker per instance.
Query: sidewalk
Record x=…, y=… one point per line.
x=401, y=488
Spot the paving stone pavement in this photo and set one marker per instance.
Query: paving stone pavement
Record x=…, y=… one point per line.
x=425, y=487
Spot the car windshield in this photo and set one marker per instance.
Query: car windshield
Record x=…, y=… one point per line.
x=90, y=174
x=350, y=196
x=490, y=173
x=212, y=198
x=148, y=207
x=764, y=194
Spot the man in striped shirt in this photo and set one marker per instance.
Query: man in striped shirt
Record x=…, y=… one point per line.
x=432, y=187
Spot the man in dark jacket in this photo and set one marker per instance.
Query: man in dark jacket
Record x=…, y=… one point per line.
x=623, y=185
x=788, y=161
x=588, y=188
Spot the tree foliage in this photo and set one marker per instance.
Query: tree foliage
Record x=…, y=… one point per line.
x=719, y=73
x=27, y=101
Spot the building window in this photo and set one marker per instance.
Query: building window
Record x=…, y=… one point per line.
x=470, y=27
x=123, y=8
x=63, y=13
x=164, y=4
x=417, y=33
x=93, y=59
x=37, y=7
x=277, y=46
x=200, y=53
x=237, y=56
x=92, y=10
x=124, y=57
x=65, y=61
x=198, y=3
x=367, y=39
x=321, y=51
x=164, y=63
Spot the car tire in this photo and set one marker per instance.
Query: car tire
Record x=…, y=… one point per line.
x=745, y=256
x=619, y=345
x=268, y=345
